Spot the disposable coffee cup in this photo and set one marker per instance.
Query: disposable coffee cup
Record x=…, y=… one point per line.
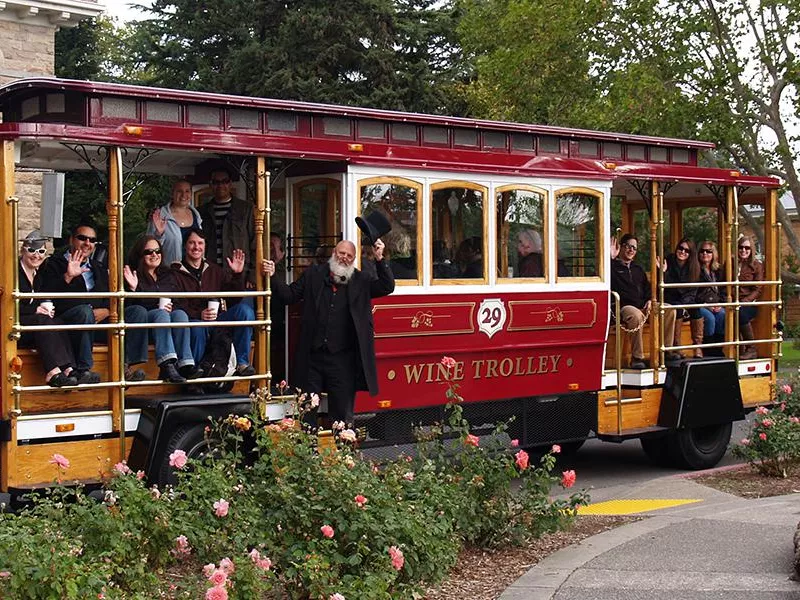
x=48, y=306
x=213, y=306
x=162, y=302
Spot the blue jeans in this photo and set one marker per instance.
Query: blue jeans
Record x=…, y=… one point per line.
x=169, y=343
x=747, y=314
x=713, y=323
x=241, y=335
x=82, y=341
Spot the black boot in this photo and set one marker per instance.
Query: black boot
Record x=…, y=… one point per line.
x=169, y=373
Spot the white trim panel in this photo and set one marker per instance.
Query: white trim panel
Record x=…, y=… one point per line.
x=44, y=427
x=643, y=378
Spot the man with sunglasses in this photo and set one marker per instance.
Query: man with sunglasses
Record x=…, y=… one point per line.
x=78, y=271
x=630, y=281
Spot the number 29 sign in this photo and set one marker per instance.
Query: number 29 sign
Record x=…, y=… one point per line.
x=491, y=316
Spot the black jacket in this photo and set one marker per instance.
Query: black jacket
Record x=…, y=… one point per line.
x=713, y=294
x=630, y=283
x=167, y=282
x=677, y=273
x=52, y=276
x=360, y=290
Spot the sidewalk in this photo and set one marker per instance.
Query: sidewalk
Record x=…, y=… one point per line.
x=722, y=547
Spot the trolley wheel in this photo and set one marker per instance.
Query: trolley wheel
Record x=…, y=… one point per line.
x=657, y=449
x=570, y=448
x=189, y=438
x=699, y=447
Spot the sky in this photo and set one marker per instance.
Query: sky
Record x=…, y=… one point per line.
x=122, y=9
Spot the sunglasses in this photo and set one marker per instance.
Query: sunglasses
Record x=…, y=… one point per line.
x=220, y=181
x=630, y=247
x=85, y=238
x=744, y=248
x=150, y=251
x=37, y=251
x=706, y=251
x=682, y=249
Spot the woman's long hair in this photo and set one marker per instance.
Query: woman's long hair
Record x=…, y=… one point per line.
x=692, y=262
x=136, y=257
x=715, y=255
x=752, y=256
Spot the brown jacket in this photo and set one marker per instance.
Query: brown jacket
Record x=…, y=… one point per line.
x=213, y=279
x=750, y=272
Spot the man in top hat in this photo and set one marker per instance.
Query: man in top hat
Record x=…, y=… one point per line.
x=336, y=350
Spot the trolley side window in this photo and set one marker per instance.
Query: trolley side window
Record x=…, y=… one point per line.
x=578, y=222
x=521, y=233
x=399, y=201
x=458, y=240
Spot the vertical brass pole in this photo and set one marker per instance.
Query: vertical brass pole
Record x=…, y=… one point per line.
x=116, y=339
x=734, y=250
x=654, y=309
x=728, y=244
x=618, y=358
x=660, y=276
x=262, y=227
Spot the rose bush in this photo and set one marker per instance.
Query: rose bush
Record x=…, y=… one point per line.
x=773, y=444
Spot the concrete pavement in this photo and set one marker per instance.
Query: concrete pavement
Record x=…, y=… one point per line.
x=719, y=547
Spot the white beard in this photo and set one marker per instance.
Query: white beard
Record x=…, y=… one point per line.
x=341, y=273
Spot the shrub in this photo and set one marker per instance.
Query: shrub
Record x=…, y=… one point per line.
x=773, y=444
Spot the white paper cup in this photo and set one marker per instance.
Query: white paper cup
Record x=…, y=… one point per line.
x=162, y=302
x=48, y=306
x=213, y=306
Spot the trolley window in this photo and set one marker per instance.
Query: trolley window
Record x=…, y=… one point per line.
x=521, y=233
x=578, y=219
x=458, y=232
x=398, y=199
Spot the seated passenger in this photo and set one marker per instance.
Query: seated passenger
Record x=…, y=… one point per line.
x=630, y=281
x=470, y=258
x=53, y=344
x=76, y=272
x=682, y=267
x=172, y=223
x=529, y=254
x=443, y=267
x=398, y=253
x=173, y=349
x=714, y=315
x=750, y=269
x=196, y=274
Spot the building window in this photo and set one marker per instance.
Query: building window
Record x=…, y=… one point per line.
x=521, y=233
x=457, y=231
x=578, y=233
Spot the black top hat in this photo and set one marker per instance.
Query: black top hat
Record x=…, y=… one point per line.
x=374, y=225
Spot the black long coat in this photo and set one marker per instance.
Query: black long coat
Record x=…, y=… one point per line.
x=360, y=291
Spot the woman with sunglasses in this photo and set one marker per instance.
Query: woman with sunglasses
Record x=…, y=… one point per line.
x=682, y=267
x=714, y=315
x=171, y=223
x=173, y=350
x=750, y=269
x=53, y=345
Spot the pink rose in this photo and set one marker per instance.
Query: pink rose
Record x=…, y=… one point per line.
x=762, y=437
x=786, y=388
x=762, y=410
x=314, y=400
x=221, y=507
x=514, y=443
x=283, y=384
x=139, y=475
x=409, y=476
x=177, y=459
x=327, y=531
x=449, y=362
x=209, y=569
x=5, y=574
x=360, y=501
x=218, y=577
x=397, y=557
x=336, y=597
x=226, y=564
x=521, y=459
x=556, y=449
x=217, y=593
x=568, y=478
x=348, y=435
x=767, y=423
x=472, y=440
x=59, y=460
x=264, y=563
x=122, y=468
x=182, y=547
x=745, y=442
x=794, y=420
x=287, y=423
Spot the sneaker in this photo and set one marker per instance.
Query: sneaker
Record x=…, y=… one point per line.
x=85, y=377
x=61, y=380
x=132, y=374
x=638, y=363
x=245, y=370
x=169, y=373
x=190, y=371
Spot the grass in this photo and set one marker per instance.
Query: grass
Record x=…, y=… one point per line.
x=791, y=356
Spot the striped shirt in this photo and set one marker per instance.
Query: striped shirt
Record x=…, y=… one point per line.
x=220, y=214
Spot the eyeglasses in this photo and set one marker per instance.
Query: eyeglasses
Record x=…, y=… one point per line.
x=630, y=247
x=149, y=251
x=706, y=251
x=85, y=238
x=682, y=249
x=745, y=248
x=225, y=181
x=37, y=251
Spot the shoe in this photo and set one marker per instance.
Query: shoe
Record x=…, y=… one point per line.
x=87, y=377
x=61, y=380
x=748, y=353
x=169, y=373
x=190, y=371
x=132, y=374
x=673, y=356
x=245, y=370
x=638, y=363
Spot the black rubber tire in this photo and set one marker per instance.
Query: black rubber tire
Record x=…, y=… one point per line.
x=570, y=448
x=189, y=438
x=699, y=447
x=657, y=450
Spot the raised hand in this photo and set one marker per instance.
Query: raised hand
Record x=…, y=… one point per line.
x=74, y=268
x=236, y=263
x=159, y=222
x=614, y=248
x=377, y=250
x=267, y=268
x=131, y=278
